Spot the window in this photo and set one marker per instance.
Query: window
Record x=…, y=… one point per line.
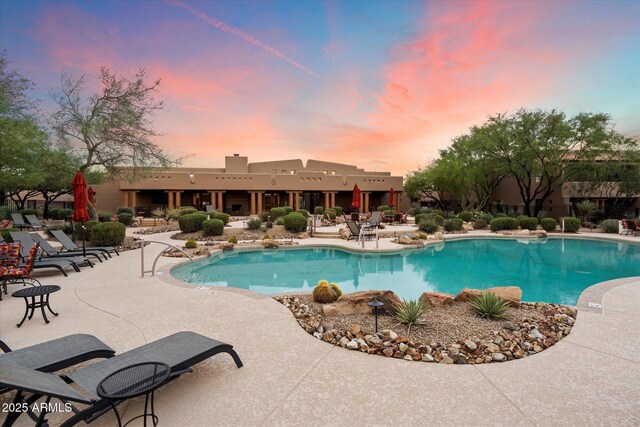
x=284, y=171
x=293, y=172
x=333, y=172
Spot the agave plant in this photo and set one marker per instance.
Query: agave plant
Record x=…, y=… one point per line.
x=490, y=305
x=585, y=209
x=410, y=312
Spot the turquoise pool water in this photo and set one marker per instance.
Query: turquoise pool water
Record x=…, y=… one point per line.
x=550, y=270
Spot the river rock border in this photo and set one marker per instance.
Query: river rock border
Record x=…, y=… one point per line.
x=514, y=341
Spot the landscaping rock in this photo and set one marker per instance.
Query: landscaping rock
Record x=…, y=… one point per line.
x=470, y=345
x=303, y=235
x=404, y=240
x=345, y=233
x=439, y=235
x=498, y=357
x=435, y=299
x=352, y=345
x=357, y=302
x=467, y=294
x=225, y=246
x=387, y=352
x=446, y=360
x=512, y=294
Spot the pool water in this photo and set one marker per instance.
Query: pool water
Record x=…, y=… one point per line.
x=551, y=270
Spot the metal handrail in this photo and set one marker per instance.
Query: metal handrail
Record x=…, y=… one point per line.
x=155, y=261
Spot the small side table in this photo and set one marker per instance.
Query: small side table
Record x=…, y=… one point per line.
x=43, y=292
x=133, y=381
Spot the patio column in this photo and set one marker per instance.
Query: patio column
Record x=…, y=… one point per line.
x=332, y=197
x=133, y=202
x=220, y=201
x=398, y=198
x=259, y=195
x=253, y=202
x=290, y=204
x=361, y=208
x=170, y=200
x=125, y=201
x=366, y=201
x=178, y=198
x=193, y=199
x=296, y=200
x=213, y=195
x=326, y=200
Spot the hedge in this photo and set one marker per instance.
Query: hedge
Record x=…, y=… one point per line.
x=571, y=225
x=610, y=226
x=466, y=216
x=287, y=209
x=190, y=223
x=479, y=224
x=254, y=224
x=295, y=222
x=213, y=227
x=428, y=225
x=186, y=210
x=454, y=224
x=331, y=213
x=318, y=210
x=125, y=218
x=548, y=224
x=124, y=209
x=108, y=234
x=89, y=225
x=29, y=212
x=303, y=212
x=221, y=216
x=528, y=223
x=338, y=210
x=277, y=213
x=503, y=223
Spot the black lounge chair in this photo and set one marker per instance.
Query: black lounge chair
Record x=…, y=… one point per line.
x=34, y=222
x=18, y=221
x=69, y=244
x=355, y=231
x=26, y=240
x=59, y=264
x=51, y=251
x=180, y=351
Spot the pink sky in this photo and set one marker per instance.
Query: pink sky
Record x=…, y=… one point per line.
x=365, y=84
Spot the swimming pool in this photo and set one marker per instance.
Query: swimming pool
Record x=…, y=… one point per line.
x=551, y=270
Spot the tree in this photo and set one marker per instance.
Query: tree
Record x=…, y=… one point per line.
x=112, y=128
x=537, y=149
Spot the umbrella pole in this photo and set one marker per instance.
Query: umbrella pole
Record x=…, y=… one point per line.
x=84, y=250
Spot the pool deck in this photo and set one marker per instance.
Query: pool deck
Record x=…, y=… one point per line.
x=592, y=377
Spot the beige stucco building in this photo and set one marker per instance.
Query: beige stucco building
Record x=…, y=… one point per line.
x=243, y=188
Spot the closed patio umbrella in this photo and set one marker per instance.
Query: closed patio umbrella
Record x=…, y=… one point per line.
x=91, y=194
x=355, y=201
x=391, y=202
x=80, y=214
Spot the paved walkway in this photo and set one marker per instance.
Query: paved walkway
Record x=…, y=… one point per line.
x=592, y=377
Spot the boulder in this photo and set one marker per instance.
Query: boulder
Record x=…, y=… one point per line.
x=357, y=302
x=512, y=294
x=345, y=233
x=439, y=235
x=467, y=294
x=540, y=233
x=270, y=243
x=227, y=246
x=435, y=299
x=404, y=240
x=303, y=235
x=467, y=226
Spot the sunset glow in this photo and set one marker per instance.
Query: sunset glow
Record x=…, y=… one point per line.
x=383, y=85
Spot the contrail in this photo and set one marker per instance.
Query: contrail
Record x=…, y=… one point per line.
x=249, y=38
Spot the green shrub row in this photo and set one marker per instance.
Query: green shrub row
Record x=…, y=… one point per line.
x=124, y=209
x=428, y=225
x=571, y=225
x=548, y=224
x=295, y=222
x=331, y=213
x=107, y=234
x=191, y=223
x=527, y=223
x=277, y=213
x=503, y=223
x=318, y=210
x=213, y=227
x=58, y=213
x=221, y=216
x=466, y=216
x=125, y=218
x=304, y=212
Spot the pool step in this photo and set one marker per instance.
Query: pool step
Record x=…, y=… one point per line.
x=326, y=234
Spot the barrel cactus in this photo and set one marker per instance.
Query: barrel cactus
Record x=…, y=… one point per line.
x=324, y=293
x=336, y=288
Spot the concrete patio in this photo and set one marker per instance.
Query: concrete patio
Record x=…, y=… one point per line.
x=592, y=377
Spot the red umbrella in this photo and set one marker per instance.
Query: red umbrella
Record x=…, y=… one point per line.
x=355, y=201
x=79, y=186
x=391, y=202
x=91, y=193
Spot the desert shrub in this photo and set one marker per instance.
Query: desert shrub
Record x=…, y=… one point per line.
x=277, y=213
x=108, y=234
x=318, y=210
x=254, y=224
x=269, y=224
x=86, y=234
x=5, y=213
x=303, y=212
x=174, y=214
x=422, y=236
x=124, y=209
x=548, y=224
x=390, y=211
x=479, y=224
x=4, y=232
x=571, y=225
x=125, y=218
x=585, y=209
x=541, y=215
x=528, y=223
x=437, y=212
x=383, y=208
x=503, y=223
x=419, y=217
x=416, y=211
x=336, y=288
x=221, y=216
x=331, y=213
x=323, y=293
x=453, y=224
x=105, y=215
x=58, y=213
x=264, y=216
x=190, y=244
x=483, y=215
x=295, y=222
x=186, y=210
x=232, y=239
x=610, y=226
x=466, y=216
x=279, y=221
x=428, y=225
x=213, y=227
x=409, y=312
x=287, y=209
x=500, y=215
x=338, y=210
x=489, y=305
x=190, y=223
x=439, y=219
x=266, y=236
x=29, y=212
x=156, y=213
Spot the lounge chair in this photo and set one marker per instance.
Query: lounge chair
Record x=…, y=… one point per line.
x=376, y=219
x=25, y=238
x=34, y=222
x=59, y=264
x=18, y=221
x=15, y=273
x=209, y=209
x=180, y=351
x=356, y=231
x=69, y=244
x=51, y=251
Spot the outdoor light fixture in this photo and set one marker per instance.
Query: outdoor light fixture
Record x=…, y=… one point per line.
x=375, y=304
x=192, y=178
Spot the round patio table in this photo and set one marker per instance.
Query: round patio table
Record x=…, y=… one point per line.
x=37, y=291
x=133, y=381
